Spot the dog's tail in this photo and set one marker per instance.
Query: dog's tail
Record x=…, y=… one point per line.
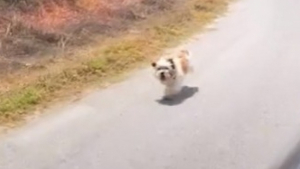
x=185, y=53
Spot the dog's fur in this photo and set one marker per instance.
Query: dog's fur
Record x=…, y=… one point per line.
x=172, y=71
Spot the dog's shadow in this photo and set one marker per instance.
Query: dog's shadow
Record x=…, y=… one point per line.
x=185, y=93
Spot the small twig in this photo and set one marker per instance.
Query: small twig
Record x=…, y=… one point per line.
x=8, y=30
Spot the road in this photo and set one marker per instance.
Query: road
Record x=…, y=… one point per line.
x=239, y=110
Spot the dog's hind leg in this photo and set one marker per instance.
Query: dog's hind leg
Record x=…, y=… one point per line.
x=168, y=93
x=191, y=69
x=176, y=88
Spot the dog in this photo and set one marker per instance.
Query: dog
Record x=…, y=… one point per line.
x=172, y=71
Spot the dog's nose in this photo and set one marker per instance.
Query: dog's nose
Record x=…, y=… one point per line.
x=162, y=76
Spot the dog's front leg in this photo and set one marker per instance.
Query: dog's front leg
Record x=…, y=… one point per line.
x=172, y=90
x=177, y=87
x=168, y=93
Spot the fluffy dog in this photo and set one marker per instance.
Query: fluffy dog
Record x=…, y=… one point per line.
x=172, y=71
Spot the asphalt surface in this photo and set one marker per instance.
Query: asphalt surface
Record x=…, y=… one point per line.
x=239, y=110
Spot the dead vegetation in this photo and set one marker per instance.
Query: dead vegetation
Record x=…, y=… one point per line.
x=32, y=30
x=109, y=39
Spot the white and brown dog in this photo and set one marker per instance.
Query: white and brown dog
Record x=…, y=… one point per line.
x=172, y=71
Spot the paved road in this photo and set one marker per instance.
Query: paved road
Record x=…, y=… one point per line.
x=241, y=109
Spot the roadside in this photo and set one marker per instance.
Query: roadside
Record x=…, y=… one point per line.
x=98, y=64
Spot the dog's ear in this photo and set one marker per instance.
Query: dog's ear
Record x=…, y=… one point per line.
x=153, y=64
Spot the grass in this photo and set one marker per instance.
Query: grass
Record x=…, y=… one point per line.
x=119, y=55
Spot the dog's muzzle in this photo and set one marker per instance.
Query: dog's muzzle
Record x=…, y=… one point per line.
x=162, y=76
x=165, y=73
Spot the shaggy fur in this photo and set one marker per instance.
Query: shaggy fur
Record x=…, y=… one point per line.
x=172, y=71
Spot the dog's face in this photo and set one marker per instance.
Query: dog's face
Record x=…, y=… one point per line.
x=164, y=70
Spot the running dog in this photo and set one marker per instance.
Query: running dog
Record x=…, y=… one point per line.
x=172, y=71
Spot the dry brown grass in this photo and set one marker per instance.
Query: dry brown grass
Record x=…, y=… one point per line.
x=106, y=59
x=32, y=31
